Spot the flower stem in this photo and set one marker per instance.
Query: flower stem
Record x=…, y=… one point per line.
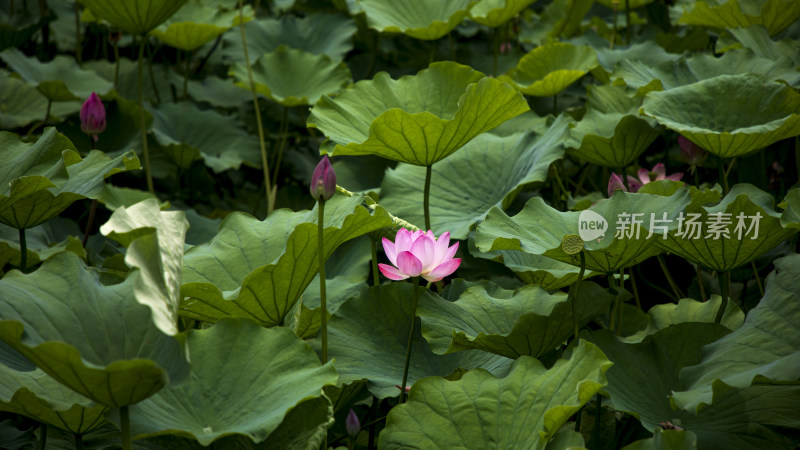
x=723, y=176
x=92, y=211
x=427, y=195
x=700, y=283
x=724, y=287
x=635, y=290
x=142, y=128
x=43, y=437
x=78, y=39
x=417, y=293
x=125, y=422
x=322, y=294
x=675, y=291
x=376, y=279
x=259, y=125
x=574, y=294
x=79, y=442
x=189, y=56
x=283, y=130
x=23, y=250
x=758, y=279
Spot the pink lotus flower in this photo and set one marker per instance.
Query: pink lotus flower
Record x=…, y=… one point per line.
x=93, y=116
x=323, y=180
x=645, y=176
x=615, y=182
x=419, y=254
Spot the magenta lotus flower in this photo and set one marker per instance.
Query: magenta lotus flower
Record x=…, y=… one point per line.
x=323, y=180
x=659, y=172
x=419, y=254
x=93, y=116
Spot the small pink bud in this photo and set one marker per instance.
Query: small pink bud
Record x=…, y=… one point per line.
x=323, y=181
x=93, y=116
x=352, y=424
x=615, y=183
x=691, y=153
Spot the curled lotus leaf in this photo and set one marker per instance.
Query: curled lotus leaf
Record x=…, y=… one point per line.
x=494, y=13
x=549, y=69
x=196, y=24
x=775, y=15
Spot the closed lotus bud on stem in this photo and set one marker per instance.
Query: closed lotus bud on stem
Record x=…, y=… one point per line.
x=93, y=116
x=323, y=181
x=352, y=424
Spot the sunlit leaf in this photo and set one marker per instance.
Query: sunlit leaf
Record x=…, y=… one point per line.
x=494, y=13
x=196, y=24
x=420, y=19
x=549, y=69
x=775, y=15
x=559, y=18
x=134, y=16
x=688, y=310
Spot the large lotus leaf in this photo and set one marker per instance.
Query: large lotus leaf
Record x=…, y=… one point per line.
x=197, y=24
x=221, y=92
x=42, y=242
x=95, y=339
x=294, y=77
x=539, y=229
x=318, y=33
x=420, y=19
x=17, y=29
x=259, y=269
x=666, y=440
x=488, y=171
x=559, y=18
x=648, y=52
x=219, y=140
x=376, y=323
x=417, y=119
x=620, y=6
x=775, y=15
x=37, y=395
x=688, y=310
x=645, y=374
x=527, y=321
x=155, y=241
x=549, y=69
x=524, y=409
x=729, y=115
x=494, y=13
x=748, y=227
x=646, y=76
x=766, y=346
x=58, y=80
x=266, y=371
x=134, y=16
x=41, y=179
x=22, y=104
x=756, y=39
x=611, y=133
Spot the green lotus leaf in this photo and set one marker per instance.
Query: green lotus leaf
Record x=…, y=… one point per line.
x=94, y=339
x=195, y=24
x=766, y=346
x=688, y=310
x=155, y=241
x=17, y=30
x=775, y=15
x=41, y=179
x=221, y=92
x=539, y=229
x=494, y=13
x=417, y=119
x=186, y=131
x=259, y=269
x=459, y=197
x=524, y=409
x=376, y=323
x=43, y=241
x=36, y=395
x=611, y=133
x=756, y=39
x=620, y=6
x=645, y=374
x=559, y=18
x=646, y=76
x=134, y=16
x=666, y=440
x=730, y=115
x=420, y=19
x=294, y=77
x=22, y=104
x=58, y=80
x=268, y=372
x=647, y=53
x=719, y=239
x=549, y=69
x=317, y=33
x=527, y=321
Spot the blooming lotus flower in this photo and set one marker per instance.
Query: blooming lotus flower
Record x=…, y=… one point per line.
x=93, y=116
x=419, y=254
x=645, y=176
x=323, y=180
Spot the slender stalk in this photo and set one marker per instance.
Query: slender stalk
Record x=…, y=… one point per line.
x=373, y=241
x=125, y=419
x=559, y=189
x=628, y=22
x=723, y=177
x=116, y=62
x=78, y=40
x=259, y=125
x=427, y=196
x=322, y=294
x=623, y=171
x=574, y=294
x=675, y=291
x=373, y=411
x=612, y=320
x=79, y=442
x=555, y=105
x=758, y=279
x=700, y=283
x=43, y=438
x=598, y=400
x=635, y=289
x=92, y=211
x=23, y=250
x=153, y=77
x=47, y=111
x=614, y=29
x=283, y=131
x=495, y=48
x=724, y=286
x=186, y=75
x=142, y=127
x=208, y=55
x=417, y=293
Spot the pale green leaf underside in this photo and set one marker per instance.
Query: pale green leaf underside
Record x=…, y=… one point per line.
x=775, y=15
x=420, y=19
x=196, y=24
x=549, y=69
x=494, y=13
x=134, y=16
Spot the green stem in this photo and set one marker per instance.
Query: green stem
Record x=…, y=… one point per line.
x=186, y=75
x=153, y=84
x=78, y=40
x=675, y=291
x=125, y=421
x=23, y=250
x=623, y=173
x=376, y=280
x=373, y=411
x=628, y=22
x=724, y=286
x=614, y=28
x=758, y=279
x=142, y=127
x=116, y=63
x=322, y=294
x=283, y=130
x=559, y=185
x=43, y=437
x=574, y=294
x=47, y=112
x=723, y=177
x=612, y=320
x=495, y=49
x=417, y=293
x=92, y=211
x=427, y=196
x=79, y=442
x=700, y=283
x=555, y=105
x=598, y=400
x=635, y=290
x=264, y=164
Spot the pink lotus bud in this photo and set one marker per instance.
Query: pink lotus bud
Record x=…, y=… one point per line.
x=93, y=116
x=352, y=424
x=615, y=183
x=323, y=181
x=691, y=153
